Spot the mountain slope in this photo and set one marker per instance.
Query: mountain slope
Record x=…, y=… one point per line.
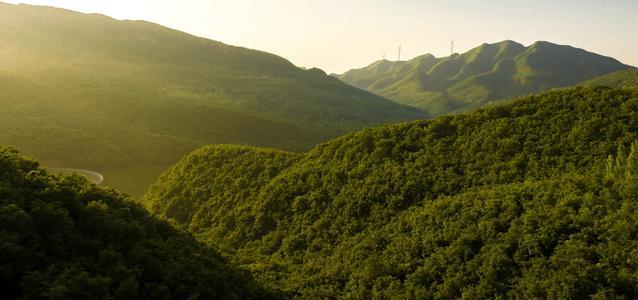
x=508, y=201
x=90, y=91
x=488, y=73
x=63, y=238
x=620, y=79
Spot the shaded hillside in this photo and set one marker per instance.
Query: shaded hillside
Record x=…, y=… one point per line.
x=93, y=91
x=488, y=73
x=64, y=238
x=511, y=201
x=621, y=79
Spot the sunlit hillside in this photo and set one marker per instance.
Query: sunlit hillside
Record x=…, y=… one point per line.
x=94, y=92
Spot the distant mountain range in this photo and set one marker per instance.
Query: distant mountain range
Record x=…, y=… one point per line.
x=485, y=74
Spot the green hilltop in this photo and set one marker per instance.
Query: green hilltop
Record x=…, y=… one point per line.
x=64, y=238
x=531, y=199
x=483, y=75
x=89, y=91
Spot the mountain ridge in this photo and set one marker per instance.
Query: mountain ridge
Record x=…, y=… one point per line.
x=56, y=48
x=94, y=92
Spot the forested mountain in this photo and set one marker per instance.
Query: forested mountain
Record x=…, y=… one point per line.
x=531, y=199
x=91, y=91
x=485, y=74
x=620, y=79
x=63, y=238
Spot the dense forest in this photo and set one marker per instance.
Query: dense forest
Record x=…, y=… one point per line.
x=63, y=238
x=483, y=75
x=531, y=199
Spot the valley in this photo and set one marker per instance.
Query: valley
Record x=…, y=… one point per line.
x=133, y=180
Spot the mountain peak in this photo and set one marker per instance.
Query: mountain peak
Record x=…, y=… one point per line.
x=427, y=56
x=509, y=43
x=546, y=44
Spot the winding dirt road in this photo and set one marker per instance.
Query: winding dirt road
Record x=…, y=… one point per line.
x=92, y=176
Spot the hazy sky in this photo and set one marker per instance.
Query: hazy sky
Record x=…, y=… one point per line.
x=337, y=35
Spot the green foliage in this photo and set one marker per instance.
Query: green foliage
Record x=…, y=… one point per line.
x=64, y=238
x=488, y=73
x=623, y=166
x=88, y=91
x=505, y=202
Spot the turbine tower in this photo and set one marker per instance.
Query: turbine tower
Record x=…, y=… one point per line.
x=399, y=52
x=452, y=48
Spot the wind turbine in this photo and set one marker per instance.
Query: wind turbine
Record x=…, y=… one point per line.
x=452, y=48
x=400, y=52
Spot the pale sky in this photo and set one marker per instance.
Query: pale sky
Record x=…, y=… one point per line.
x=337, y=35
